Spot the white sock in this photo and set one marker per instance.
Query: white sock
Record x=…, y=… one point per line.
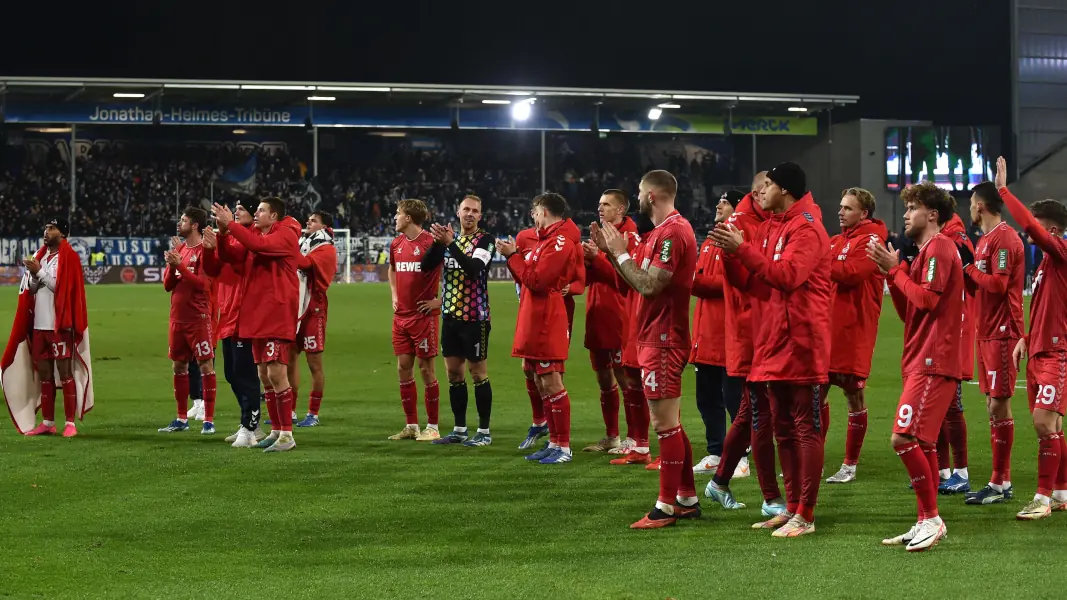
x=565, y=449
x=1059, y=495
x=944, y=473
x=459, y=429
x=480, y=430
x=1006, y=485
x=688, y=500
x=664, y=507
x=431, y=426
x=641, y=450
x=541, y=424
x=412, y=425
x=47, y=423
x=999, y=488
x=936, y=520
x=70, y=423
x=1042, y=499
x=962, y=473
x=184, y=420
x=552, y=446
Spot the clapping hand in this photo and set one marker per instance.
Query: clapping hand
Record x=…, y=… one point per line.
x=885, y=258
x=173, y=258
x=443, y=235
x=506, y=247
x=223, y=216
x=615, y=241
x=727, y=237
x=590, y=250
x=596, y=235
x=211, y=241
x=32, y=265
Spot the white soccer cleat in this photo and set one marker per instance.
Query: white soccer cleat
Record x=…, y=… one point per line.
x=245, y=439
x=428, y=435
x=903, y=540
x=742, y=469
x=233, y=438
x=259, y=434
x=708, y=464
x=929, y=534
x=284, y=443
x=409, y=432
x=624, y=447
x=845, y=474
x=1034, y=511
x=197, y=411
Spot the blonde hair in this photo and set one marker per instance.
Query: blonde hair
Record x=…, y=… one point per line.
x=865, y=198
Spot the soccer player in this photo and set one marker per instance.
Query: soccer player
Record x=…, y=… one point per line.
x=191, y=320
x=228, y=260
x=858, y=286
x=754, y=424
x=717, y=392
x=928, y=297
x=662, y=273
x=606, y=321
x=51, y=328
x=318, y=267
x=998, y=271
x=789, y=260
x=525, y=243
x=412, y=282
x=1046, y=345
x=268, y=314
x=541, y=335
x=466, y=321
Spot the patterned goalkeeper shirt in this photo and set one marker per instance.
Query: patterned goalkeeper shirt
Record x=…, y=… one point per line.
x=465, y=294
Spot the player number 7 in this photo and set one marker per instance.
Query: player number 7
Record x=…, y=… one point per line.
x=992, y=378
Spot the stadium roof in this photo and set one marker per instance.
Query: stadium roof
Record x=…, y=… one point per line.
x=70, y=89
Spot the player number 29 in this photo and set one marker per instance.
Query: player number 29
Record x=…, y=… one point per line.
x=1046, y=394
x=904, y=415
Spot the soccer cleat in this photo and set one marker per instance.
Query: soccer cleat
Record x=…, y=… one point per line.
x=687, y=512
x=928, y=534
x=42, y=429
x=409, y=432
x=1058, y=505
x=244, y=439
x=479, y=439
x=428, y=435
x=70, y=430
x=742, y=469
x=796, y=527
x=208, y=428
x=655, y=519
x=845, y=474
x=556, y=457
x=905, y=539
x=1034, y=511
x=625, y=447
x=197, y=411
x=604, y=445
x=1009, y=493
x=774, y=522
x=773, y=508
x=309, y=421
x=954, y=485
x=233, y=437
x=543, y=452
x=268, y=441
x=654, y=465
x=722, y=495
x=986, y=495
x=259, y=434
x=708, y=464
x=175, y=425
x=454, y=437
x=535, y=433
x=633, y=458
x=284, y=443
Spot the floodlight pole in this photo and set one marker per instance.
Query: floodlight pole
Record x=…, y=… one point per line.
x=755, y=164
x=73, y=170
x=315, y=151
x=544, y=189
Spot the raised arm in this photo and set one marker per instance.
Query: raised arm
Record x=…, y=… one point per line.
x=924, y=298
x=281, y=242
x=212, y=264
x=541, y=275
x=1056, y=249
x=200, y=283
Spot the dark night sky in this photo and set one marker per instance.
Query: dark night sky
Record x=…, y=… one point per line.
x=944, y=60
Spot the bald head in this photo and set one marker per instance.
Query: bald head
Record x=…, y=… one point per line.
x=759, y=181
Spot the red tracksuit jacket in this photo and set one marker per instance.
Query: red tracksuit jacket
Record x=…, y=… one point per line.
x=541, y=327
x=709, y=316
x=233, y=266
x=271, y=292
x=858, y=287
x=747, y=217
x=577, y=271
x=606, y=314
x=789, y=264
x=955, y=231
x=321, y=266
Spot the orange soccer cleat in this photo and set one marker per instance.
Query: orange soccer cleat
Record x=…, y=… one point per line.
x=633, y=457
x=653, y=466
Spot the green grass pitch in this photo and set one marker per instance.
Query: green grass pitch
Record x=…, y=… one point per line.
x=122, y=511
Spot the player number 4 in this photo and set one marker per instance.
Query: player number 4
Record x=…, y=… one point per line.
x=424, y=345
x=1046, y=394
x=904, y=415
x=650, y=381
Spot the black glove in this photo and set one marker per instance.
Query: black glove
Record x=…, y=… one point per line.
x=966, y=255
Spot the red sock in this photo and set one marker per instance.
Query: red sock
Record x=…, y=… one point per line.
x=537, y=405
x=932, y=462
x=919, y=470
x=48, y=400
x=181, y=394
x=296, y=396
x=550, y=420
x=560, y=407
x=942, y=447
x=209, y=382
x=70, y=398
x=409, y=399
x=687, y=488
x=857, y=430
x=271, y=400
x=433, y=402
x=642, y=418
x=609, y=409
x=957, y=437
x=672, y=457
x=1002, y=435
x=824, y=420
x=284, y=402
x=1061, y=477
x=1048, y=462
x=314, y=403
x=738, y=437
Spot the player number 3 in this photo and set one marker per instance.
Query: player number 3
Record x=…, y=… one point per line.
x=904, y=415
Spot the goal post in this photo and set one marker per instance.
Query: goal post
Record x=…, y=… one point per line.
x=342, y=240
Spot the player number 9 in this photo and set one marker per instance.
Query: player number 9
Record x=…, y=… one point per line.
x=904, y=415
x=1046, y=394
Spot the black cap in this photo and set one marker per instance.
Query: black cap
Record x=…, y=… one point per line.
x=734, y=197
x=61, y=224
x=790, y=177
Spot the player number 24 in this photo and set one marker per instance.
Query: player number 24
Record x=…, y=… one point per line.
x=904, y=415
